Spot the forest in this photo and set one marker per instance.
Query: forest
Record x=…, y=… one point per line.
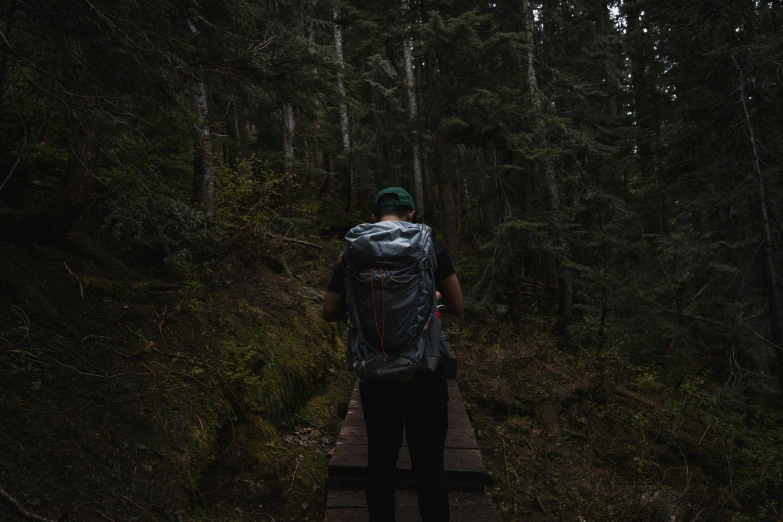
x=176, y=177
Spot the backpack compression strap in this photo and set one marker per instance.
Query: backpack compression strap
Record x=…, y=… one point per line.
x=382, y=335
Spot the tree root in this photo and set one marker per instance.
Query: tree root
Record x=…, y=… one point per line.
x=20, y=509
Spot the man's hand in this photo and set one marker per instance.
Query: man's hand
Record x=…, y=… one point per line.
x=334, y=307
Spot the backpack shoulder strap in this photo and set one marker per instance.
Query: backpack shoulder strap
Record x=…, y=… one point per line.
x=350, y=275
x=427, y=259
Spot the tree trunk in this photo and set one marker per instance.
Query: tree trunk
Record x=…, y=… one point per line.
x=244, y=130
x=638, y=79
x=9, y=24
x=353, y=189
x=426, y=154
x=449, y=217
x=413, y=111
x=288, y=151
x=45, y=130
x=232, y=129
x=429, y=188
x=765, y=254
x=487, y=192
x=378, y=121
x=605, y=27
x=82, y=169
x=328, y=178
x=63, y=212
x=203, y=176
x=565, y=291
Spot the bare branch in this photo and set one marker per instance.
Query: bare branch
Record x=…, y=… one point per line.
x=20, y=509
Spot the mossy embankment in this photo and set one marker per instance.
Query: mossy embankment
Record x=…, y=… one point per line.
x=205, y=394
x=575, y=431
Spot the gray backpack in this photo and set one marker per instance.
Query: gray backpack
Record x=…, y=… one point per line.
x=390, y=286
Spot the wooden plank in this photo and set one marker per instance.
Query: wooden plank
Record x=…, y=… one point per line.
x=354, y=417
x=456, y=415
x=411, y=514
x=455, y=437
x=353, y=498
x=454, y=393
x=353, y=431
x=346, y=515
x=357, y=498
x=457, y=459
x=457, y=423
x=358, y=483
x=356, y=401
x=462, y=465
x=451, y=365
x=344, y=506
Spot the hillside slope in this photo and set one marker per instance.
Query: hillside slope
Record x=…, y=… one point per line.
x=200, y=396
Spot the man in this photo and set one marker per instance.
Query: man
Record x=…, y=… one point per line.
x=419, y=404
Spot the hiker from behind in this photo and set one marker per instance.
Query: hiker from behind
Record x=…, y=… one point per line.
x=386, y=281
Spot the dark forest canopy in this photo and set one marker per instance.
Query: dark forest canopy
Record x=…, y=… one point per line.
x=621, y=159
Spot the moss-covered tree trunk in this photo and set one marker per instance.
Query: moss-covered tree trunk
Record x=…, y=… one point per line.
x=345, y=133
x=289, y=126
x=413, y=112
x=203, y=176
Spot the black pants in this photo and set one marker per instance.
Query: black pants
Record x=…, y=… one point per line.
x=421, y=406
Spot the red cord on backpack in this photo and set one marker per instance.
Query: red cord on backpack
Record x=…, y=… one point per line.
x=382, y=335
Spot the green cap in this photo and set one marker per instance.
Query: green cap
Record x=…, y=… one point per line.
x=403, y=199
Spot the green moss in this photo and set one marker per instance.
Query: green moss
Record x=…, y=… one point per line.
x=277, y=362
x=321, y=409
x=307, y=466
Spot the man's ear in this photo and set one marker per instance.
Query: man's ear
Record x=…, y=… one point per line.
x=373, y=218
x=412, y=216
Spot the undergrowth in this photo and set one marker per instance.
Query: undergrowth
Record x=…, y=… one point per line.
x=207, y=394
x=582, y=434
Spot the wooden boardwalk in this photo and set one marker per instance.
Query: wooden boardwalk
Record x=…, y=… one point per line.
x=467, y=475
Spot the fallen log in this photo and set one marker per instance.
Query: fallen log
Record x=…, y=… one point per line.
x=297, y=241
x=628, y=394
